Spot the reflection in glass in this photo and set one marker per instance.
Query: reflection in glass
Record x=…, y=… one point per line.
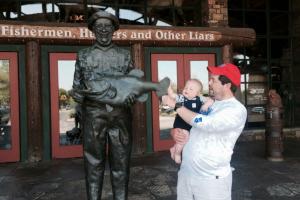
x=256, y=113
x=251, y=19
x=167, y=114
x=279, y=23
x=261, y=4
x=241, y=97
x=235, y=4
x=69, y=110
x=242, y=89
x=199, y=71
x=258, y=50
x=235, y=18
x=256, y=93
x=5, y=123
x=280, y=48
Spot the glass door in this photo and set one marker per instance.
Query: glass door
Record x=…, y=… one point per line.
x=9, y=107
x=196, y=67
x=179, y=68
x=165, y=65
x=66, y=134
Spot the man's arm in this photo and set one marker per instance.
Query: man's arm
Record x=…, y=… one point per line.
x=227, y=118
x=130, y=62
x=183, y=112
x=186, y=114
x=131, y=98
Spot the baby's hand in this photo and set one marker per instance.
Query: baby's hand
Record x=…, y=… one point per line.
x=167, y=100
x=171, y=93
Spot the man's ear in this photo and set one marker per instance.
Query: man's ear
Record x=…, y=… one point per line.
x=228, y=85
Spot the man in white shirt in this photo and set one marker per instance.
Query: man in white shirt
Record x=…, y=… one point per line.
x=205, y=172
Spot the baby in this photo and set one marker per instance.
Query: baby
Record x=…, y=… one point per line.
x=193, y=100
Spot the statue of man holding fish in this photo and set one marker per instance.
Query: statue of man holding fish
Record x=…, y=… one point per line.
x=107, y=85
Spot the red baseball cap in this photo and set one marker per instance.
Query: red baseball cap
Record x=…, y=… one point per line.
x=229, y=70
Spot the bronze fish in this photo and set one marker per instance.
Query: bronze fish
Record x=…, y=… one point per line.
x=113, y=90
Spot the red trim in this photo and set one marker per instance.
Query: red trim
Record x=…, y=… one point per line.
x=183, y=74
x=13, y=154
x=59, y=151
x=159, y=145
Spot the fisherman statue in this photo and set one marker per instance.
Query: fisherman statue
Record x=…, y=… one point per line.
x=106, y=85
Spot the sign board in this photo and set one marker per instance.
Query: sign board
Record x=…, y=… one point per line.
x=131, y=34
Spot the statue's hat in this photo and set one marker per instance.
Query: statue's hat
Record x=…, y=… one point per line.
x=102, y=14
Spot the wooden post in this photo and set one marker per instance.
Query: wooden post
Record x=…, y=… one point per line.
x=34, y=111
x=227, y=53
x=139, y=131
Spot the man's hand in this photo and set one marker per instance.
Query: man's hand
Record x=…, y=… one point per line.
x=130, y=100
x=179, y=136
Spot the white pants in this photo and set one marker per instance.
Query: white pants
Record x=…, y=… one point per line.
x=192, y=188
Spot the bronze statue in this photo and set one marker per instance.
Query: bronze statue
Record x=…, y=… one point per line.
x=106, y=86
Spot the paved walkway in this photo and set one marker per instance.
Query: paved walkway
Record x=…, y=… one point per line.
x=154, y=177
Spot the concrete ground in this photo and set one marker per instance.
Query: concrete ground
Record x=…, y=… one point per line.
x=153, y=176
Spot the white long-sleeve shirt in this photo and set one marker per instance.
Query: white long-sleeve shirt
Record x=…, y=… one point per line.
x=212, y=139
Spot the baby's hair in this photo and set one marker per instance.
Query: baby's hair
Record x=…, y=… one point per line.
x=199, y=83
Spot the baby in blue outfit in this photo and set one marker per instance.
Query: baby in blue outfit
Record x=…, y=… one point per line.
x=192, y=99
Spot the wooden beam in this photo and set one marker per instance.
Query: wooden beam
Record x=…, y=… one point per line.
x=139, y=131
x=34, y=111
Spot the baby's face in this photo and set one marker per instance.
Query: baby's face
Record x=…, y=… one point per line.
x=191, y=90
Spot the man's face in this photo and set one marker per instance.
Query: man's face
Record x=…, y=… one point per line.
x=216, y=87
x=103, y=30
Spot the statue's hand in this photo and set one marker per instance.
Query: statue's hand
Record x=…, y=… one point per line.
x=130, y=100
x=111, y=93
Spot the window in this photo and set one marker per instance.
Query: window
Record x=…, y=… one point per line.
x=274, y=59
